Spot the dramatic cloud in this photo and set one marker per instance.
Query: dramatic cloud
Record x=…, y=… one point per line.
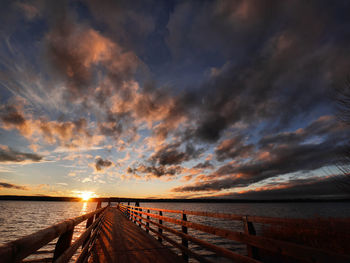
x=101, y=164
x=263, y=87
x=11, y=116
x=155, y=171
x=232, y=148
x=204, y=165
x=68, y=134
x=170, y=154
x=76, y=52
x=12, y=186
x=8, y=155
x=158, y=86
x=296, y=188
x=299, y=151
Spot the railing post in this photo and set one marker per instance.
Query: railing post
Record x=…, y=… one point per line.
x=249, y=229
x=160, y=230
x=184, y=240
x=147, y=224
x=135, y=214
x=88, y=223
x=63, y=243
x=128, y=211
x=99, y=204
x=140, y=209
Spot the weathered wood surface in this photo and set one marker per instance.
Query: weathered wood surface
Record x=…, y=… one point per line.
x=120, y=240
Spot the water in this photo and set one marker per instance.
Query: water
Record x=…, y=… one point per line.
x=20, y=218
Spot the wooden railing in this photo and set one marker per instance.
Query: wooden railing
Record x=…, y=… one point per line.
x=153, y=222
x=20, y=249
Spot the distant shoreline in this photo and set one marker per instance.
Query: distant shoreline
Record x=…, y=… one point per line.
x=147, y=200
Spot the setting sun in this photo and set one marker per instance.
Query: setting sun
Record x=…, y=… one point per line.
x=85, y=196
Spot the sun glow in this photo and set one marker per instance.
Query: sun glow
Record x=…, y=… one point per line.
x=85, y=195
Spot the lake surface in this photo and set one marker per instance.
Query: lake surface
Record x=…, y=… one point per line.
x=20, y=218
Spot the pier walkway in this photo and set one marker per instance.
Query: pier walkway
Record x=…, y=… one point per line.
x=122, y=233
x=120, y=240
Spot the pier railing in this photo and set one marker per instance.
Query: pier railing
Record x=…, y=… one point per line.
x=20, y=249
x=152, y=220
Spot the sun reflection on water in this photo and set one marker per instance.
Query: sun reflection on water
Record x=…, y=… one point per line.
x=84, y=208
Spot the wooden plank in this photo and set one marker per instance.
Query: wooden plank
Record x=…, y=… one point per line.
x=122, y=241
x=38, y=260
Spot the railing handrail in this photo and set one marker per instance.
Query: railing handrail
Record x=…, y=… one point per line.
x=73, y=248
x=19, y=249
x=235, y=217
x=300, y=252
x=226, y=252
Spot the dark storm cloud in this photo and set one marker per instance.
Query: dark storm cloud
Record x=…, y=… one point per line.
x=295, y=188
x=127, y=23
x=12, y=186
x=196, y=26
x=323, y=127
x=232, y=148
x=170, y=154
x=13, y=156
x=282, y=153
x=165, y=161
x=100, y=67
x=100, y=164
x=155, y=171
x=77, y=52
x=10, y=115
x=285, y=58
x=283, y=160
x=206, y=165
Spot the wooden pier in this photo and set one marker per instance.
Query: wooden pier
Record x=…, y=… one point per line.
x=121, y=233
x=122, y=241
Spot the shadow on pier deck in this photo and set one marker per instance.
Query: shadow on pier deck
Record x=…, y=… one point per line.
x=120, y=240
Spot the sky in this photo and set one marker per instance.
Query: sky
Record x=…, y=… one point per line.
x=172, y=99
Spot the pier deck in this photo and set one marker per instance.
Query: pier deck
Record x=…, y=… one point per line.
x=120, y=240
